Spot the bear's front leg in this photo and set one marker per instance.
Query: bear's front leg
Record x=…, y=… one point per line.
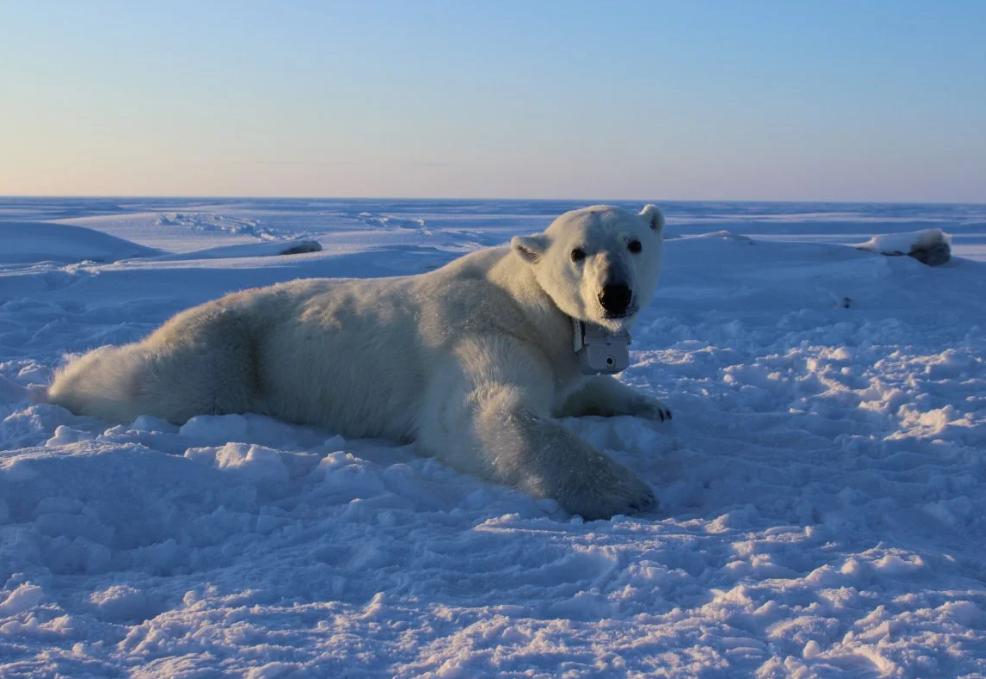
x=543, y=458
x=607, y=396
x=489, y=412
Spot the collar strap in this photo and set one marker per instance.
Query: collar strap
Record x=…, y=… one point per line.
x=578, y=335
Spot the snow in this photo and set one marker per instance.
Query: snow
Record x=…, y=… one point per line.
x=822, y=482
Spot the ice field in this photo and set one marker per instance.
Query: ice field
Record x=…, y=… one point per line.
x=822, y=484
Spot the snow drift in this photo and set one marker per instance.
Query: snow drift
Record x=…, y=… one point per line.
x=30, y=242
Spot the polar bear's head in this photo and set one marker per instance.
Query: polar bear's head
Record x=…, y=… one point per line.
x=599, y=264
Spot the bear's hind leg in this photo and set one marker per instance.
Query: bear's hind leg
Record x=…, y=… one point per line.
x=208, y=365
x=202, y=362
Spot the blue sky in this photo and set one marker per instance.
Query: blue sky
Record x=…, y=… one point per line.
x=882, y=101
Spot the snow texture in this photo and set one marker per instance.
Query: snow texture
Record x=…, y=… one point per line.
x=822, y=482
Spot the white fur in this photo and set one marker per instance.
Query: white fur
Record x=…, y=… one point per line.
x=470, y=361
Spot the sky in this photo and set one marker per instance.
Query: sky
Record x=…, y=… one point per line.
x=841, y=101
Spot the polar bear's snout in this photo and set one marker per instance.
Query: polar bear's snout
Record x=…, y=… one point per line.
x=615, y=299
x=615, y=286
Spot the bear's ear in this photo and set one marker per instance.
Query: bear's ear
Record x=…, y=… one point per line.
x=530, y=248
x=654, y=217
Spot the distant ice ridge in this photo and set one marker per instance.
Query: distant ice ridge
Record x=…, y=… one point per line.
x=208, y=221
x=823, y=483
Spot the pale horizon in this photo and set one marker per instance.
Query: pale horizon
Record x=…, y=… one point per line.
x=587, y=200
x=763, y=102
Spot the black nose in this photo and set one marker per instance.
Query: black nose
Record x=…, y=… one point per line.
x=615, y=298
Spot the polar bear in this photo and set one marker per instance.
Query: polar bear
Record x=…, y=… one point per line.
x=471, y=362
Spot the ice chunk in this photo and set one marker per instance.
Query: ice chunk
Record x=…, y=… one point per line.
x=930, y=246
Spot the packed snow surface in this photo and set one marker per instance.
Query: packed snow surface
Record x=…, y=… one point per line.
x=822, y=482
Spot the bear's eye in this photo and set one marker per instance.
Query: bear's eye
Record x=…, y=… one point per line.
x=634, y=246
x=578, y=254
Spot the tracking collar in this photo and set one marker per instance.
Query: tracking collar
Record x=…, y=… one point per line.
x=600, y=351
